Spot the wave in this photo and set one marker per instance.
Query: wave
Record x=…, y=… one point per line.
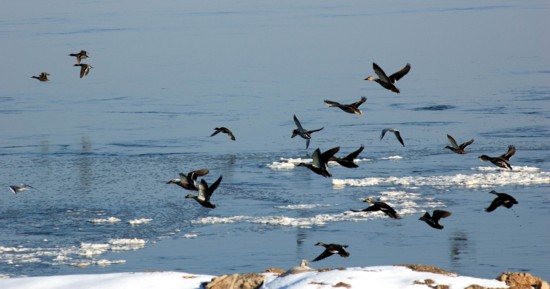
x=491, y=177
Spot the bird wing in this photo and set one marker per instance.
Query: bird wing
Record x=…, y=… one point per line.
x=214, y=186
x=316, y=159
x=217, y=130
x=383, y=133
x=511, y=151
x=82, y=71
x=332, y=103
x=381, y=74
x=298, y=124
x=372, y=208
x=396, y=76
x=398, y=136
x=464, y=145
x=231, y=135
x=193, y=175
x=307, y=143
x=203, y=191
x=438, y=214
x=452, y=141
x=315, y=130
x=326, y=253
x=358, y=103
x=342, y=252
x=494, y=204
x=328, y=154
x=354, y=154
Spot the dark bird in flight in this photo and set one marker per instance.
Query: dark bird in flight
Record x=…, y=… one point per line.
x=459, y=149
x=503, y=160
x=347, y=161
x=20, y=188
x=433, y=220
x=189, y=181
x=79, y=56
x=205, y=192
x=331, y=249
x=305, y=134
x=319, y=161
x=349, y=108
x=395, y=132
x=224, y=130
x=502, y=199
x=379, y=206
x=42, y=76
x=384, y=80
x=84, y=69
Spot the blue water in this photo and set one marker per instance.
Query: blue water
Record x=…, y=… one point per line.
x=165, y=74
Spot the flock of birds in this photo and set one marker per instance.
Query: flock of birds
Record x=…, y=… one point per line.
x=319, y=163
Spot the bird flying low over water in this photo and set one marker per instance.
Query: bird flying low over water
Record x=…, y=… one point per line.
x=349, y=108
x=433, y=220
x=347, y=161
x=395, y=132
x=84, y=69
x=502, y=199
x=384, y=80
x=20, y=188
x=205, y=192
x=188, y=181
x=42, y=76
x=459, y=149
x=331, y=249
x=80, y=55
x=503, y=160
x=305, y=134
x=224, y=130
x=319, y=161
x=379, y=206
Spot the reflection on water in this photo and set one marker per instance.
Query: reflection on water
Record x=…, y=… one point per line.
x=461, y=251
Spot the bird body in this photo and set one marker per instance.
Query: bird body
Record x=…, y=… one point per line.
x=502, y=199
x=379, y=206
x=347, y=161
x=433, y=220
x=84, y=69
x=331, y=249
x=459, y=149
x=80, y=55
x=188, y=181
x=305, y=134
x=349, y=108
x=502, y=161
x=223, y=130
x=20, y=188
x=205, y=192
x=388, y=82
x=319, y=161
x=395, y=132
x=42, y=76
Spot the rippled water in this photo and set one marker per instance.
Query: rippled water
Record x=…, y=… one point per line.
x=99, y=150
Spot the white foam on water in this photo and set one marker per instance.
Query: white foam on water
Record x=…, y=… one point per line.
x=302, y=206
x=489, y=178
x=190, y=235
x=137, y=222
x=109, y=220
x=393, y=158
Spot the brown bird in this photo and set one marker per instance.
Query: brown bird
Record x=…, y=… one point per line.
x=305, y=134
x=319, y=161
x=42, y=76
x=205, y=192
x=331, y=249
x=347, y=161
x=79, y=56
x=502, y=199
x=84, y=69
x=188, y=181
x=459, y=149
x=501, y=161
x=379, y=206
x=224, y=130
x=384, y=80
x=349, y=108
x=433, y=220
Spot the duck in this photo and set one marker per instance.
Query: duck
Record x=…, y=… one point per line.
x=319, y=161
x=502, y=161
x=379, y=206
x=188, y=181
x=331, y=249
x=502, y=199
x=205, y=192
x=433, y=220
x=19, y=188
x=349, y=108
x=395, y=132
x=84, y=69
x=80, y=55
x=223, y=130
x=384, y=80
x=305, y=134
x=347, y=161
x=459, y=149
x=42, y=76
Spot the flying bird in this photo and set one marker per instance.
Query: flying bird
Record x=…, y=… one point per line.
x=224, y=130
x=205, y=192
x=42, y=76
x=331, y=249
x=188, y=181
x=395, y=131
x=84, y=69
x=20, y=188
x=347, y=161
x=379, y=206
x=459, y=149
x=319, y=161
x=80, y=55
x=349, y=108
x=384, y=80
x=433, y=220
x=502, y=161
x=305, y=134
x=502, y=199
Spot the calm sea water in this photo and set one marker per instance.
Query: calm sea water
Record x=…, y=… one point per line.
x=99, y=150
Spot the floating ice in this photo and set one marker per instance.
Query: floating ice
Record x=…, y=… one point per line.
x=137, y=222
x=105, y=220
x=302, y=206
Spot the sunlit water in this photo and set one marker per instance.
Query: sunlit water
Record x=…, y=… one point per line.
x=99, y=150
